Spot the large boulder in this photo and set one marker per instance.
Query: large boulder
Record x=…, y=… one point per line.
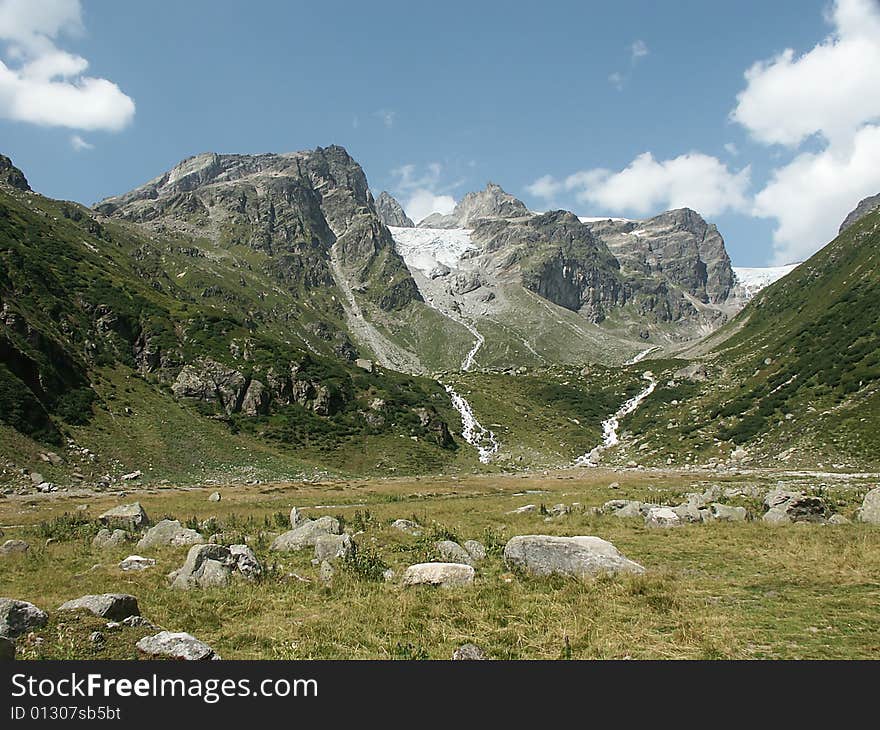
x=20, y=617
x=246, y=561
x=476, y=550
x=870, y=510
x=170, y=645
x=446, y=575
x=784, y=507
x=306, y=534
x=206, y=566
x=113, y=606
x=577, y=556
x=131, y=517
x=623, y=508
x=662, y=517
x=169, y=532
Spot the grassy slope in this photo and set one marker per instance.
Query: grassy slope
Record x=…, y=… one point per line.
x=795, y=376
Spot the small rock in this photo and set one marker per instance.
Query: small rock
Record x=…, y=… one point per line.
x=169, y=532
x=20, y=617
x=446, y=575
x=407, y=526
x=838, y=519
x=525, y=509
x=205, y=566
x=726, y=513
x=97, y=640
x=175, y=646
x=133, y=621
x=662, y=517
x=451, y=552
x=326, y=572
x=214, y=497
x=297, y=517
x=388, y=575
x=136, y=563
x=468, y=652
x=246, y=561
x=332, y=547
x=129, y=517
x=614, y=485
x=132, y=476
x=106, y=539
x=113, y=606
x=14, y=547
x=475, y=550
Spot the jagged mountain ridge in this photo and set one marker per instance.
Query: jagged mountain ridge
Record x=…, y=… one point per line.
x=391, y=212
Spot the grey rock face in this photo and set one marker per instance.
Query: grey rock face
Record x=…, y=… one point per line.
x=167, y=644
x=106, y=538
x=576, y=556
x=445, y=575
x=451, y=552
x=865, y=207
x=14, y=547
x=662, y=517
x=870, y=510
x=131, y=517
x=488, y=204
x=391, y=213
x=306, y=534
x=20, y=617
x=169, y=532
x=113, y=606
x=246, y=561
x=11, y=175
x=292, y=207
x=623, y=508
x=332, y=547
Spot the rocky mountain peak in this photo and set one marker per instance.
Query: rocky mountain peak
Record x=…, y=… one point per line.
x=391, y=213
x=11, y=175
x=866, y=206
x=491, y=203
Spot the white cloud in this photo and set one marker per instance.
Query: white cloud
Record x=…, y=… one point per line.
x=421, y=193
x=421, y=203
x=387, y=116
x=79, y=144
x=616, y=80
x=638, y=50
x=42, y=84
x=830, y=94
x=649, y=186
x=731, y=149
x=831, y=90
x=810, y=196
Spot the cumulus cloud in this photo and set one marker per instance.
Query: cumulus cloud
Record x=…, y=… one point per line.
x=810, y=196
x=830, y=94
x=420, y=193
x=647, y=186
x=42, y=84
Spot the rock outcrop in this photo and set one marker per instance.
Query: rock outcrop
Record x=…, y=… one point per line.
x=391, y=213
x=865, y=207
x=11, y=175
x=20, y=617
x=490, y=203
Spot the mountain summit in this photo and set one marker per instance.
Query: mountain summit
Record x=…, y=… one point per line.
x=493, y=202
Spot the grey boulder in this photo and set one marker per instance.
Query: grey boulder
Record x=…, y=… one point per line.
x=451, y=552
x=475, y=549
x=135, y=563
x=14, y=547
x=7, y=649
x=206, y=566
x=870, y=510
x=169, y=533
x=446, y=575
x=662, y=517
x=468, y=652
x=576, y=556
x=109, y=539
x=113, y=606
x=332, y=547
x=306, y=534
x=179, y=645
x=19, y=617
x=726, y=513
x=129, y=517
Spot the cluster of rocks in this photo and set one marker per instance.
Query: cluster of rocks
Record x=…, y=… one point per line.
x=20, y=618
x=212, y=565
x=696, y=509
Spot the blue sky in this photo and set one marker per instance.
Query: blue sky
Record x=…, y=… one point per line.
x=620, y=108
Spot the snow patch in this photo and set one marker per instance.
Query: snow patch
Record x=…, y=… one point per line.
x=426, y=249
x=752, y=280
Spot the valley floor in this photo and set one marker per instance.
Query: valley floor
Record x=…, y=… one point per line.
x=717, y=590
